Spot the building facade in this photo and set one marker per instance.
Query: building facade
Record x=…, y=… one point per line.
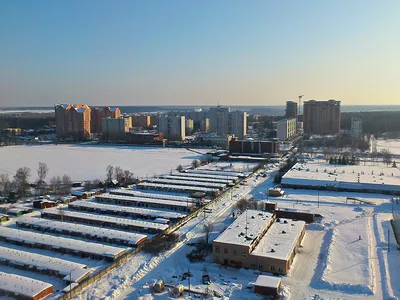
x=321, y=117
x=258, y=240
x=238, y=124
x=286, y=129
x=254, y=147
x=356, y=127
x=219, y=122
x=72, y=120
x=141, y=121
x=98, y=114
x=291, y=110
x=224, y=122
x=172, y=127
x=114, y=128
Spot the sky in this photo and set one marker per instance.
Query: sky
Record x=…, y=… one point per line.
x=181, y=52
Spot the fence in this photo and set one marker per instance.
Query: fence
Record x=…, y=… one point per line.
x=77, y=289
x=396, y=226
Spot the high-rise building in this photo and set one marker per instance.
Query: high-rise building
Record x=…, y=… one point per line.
x=321, y=117
x=72, y=120
x=238, y=124
x=141, y=121
x=205, y=125
x=172, y=127
x=116, y=127
x=291, y=110
x=98, y=114
x=219, y=122
x=224, y=122
x=285, y=129
x=356, y=127
x=189, y=126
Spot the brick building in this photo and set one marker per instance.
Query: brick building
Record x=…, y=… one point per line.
x=98, y=114
x=72, y=120
x=321, y=117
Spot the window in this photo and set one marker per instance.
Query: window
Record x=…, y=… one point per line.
x=260, y=267
x=280, y=270
x=225, y=250
x=235, y=252
x=217, y=249
x=216, y=259
x=243, y=253
x=272, y=268
x=253, y=266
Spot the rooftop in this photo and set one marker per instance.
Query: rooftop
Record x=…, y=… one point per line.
x=280, y=239
x=268, y=281
x=177, y=187
x=130, y=237
x=127, y=192
x=235, y=234
x=131, y=210
x=28, y=237
x=101, y=218
x=20, y=285
x=43, y=262
x=143, y=200
x=188, y=182
x=344, y=176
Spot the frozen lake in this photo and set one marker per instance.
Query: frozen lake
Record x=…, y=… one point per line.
x=84, y=162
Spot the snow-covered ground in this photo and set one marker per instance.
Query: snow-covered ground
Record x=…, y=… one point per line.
x=331, y=264
x=392, y=145
x=86, y=161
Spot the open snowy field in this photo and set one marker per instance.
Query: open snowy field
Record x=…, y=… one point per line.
x=348, y=262
x=86, y=162
x=392, y=145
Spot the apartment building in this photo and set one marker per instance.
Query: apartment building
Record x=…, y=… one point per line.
x=321, y=117
x=286, y=129
x=98, y=114
x=72, y=120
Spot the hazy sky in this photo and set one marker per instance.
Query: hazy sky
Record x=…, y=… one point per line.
x=199, y=52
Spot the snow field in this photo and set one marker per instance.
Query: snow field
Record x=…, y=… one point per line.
x=348, y=265
x=86, y=162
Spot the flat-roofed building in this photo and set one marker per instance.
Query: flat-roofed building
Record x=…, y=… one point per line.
x=235, y=244
x=276, y=250
x=286, y=129
x=256, y=240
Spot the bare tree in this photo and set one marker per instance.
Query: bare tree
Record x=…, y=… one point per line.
x=179, y=168
x=5, y=185
x=42, y=173
x=387, y=157
x=109, y=172
x=128, y=176
x=119, y=174
x=242, y=205
x=21, y=182
x=87, y=186
x=56, y=185
x=207, y=229
x=195, y=163
x=66, y=184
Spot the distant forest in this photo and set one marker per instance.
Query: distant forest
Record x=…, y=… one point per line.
x=374, y=122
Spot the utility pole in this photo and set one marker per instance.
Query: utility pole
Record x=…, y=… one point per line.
x=70, y=284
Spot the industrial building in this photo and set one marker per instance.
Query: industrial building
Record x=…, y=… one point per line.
x=258, y=240
x=144, y=202
x=106, y=221
x=260, y=148
x=23, y=288
x=98, y=234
